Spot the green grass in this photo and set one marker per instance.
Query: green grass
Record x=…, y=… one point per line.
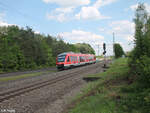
x=99, y=56
x=102, y=96
x=5, y=79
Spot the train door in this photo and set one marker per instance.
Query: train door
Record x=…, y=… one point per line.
x=75, y=59
x=68, y=60
x=78, y=58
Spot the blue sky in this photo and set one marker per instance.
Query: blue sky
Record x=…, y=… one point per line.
x=76, y=21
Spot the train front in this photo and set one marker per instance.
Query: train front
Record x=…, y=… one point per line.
x=60, y=61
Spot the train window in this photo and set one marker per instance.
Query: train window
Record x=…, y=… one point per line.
x=61, y=58
x=71, y=58
x=68, y=60
x=80, y=59
x=76, y=58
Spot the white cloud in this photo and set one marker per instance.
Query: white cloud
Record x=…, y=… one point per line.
x=147, y=7
x=60, y=14
x=80, y=36
x=135, y=6
x=37, y=32
x=87, y=12
x=2, y=22
x=60, y=17
x=2, y=15
x=101, y=29
x=100, y=3
x=123, y=29
x=69, y=3
x=90, y=13
x=65, y=10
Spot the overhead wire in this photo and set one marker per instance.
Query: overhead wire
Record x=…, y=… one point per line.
x=17, y=11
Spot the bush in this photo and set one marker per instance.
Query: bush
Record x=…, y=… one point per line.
x=143, y=70
x=118, y=50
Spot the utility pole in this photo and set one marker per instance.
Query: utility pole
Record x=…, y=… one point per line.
x=98, y=50
x=113, y=38
x=113, y=43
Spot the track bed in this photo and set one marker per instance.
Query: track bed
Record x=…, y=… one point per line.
x=47, y=93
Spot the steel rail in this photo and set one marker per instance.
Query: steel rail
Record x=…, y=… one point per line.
x=16, y=92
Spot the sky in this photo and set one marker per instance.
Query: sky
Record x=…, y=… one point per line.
x=76, y=21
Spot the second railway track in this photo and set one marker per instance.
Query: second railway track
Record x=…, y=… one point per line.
x=16, y=92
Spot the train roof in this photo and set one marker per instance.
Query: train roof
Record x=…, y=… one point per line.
x=65, y=53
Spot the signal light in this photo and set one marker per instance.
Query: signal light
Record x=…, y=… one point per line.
x=104, y=52
x=104, y=46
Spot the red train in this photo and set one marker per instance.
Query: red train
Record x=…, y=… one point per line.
x=70, y=59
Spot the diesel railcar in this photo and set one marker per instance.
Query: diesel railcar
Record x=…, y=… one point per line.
x=70, y=59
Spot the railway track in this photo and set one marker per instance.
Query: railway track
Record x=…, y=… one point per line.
x=17, y=92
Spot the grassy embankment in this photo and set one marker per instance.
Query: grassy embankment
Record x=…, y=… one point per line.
x=5, y=79
x=112, y=93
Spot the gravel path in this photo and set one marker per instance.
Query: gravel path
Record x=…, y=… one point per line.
x=49, y=99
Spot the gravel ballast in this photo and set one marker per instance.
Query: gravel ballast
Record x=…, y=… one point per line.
x=49, y=99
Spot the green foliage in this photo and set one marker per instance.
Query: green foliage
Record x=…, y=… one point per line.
x=114, y=93
x=11, y=57
x=100, y=96
x=118, y=50
x=139, y=62
x=140, y=57
x=135, y=100
x=23, y=49
x=143, y=70
x=85, y=48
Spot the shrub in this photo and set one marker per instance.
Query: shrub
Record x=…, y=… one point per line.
x=118, y=50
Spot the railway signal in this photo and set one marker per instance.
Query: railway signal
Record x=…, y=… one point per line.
x=104, y=47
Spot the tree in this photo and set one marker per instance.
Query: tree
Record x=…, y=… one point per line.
x=139, y=60
x=22, y=48
x=85, y=48
x=118, y=50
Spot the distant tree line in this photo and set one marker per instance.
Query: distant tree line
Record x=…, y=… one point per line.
x=22, y=49
x=85, y=48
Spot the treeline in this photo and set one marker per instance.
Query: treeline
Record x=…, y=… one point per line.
x=139, y=63
x=140, y=57
x=85, y=48
x=22, y=49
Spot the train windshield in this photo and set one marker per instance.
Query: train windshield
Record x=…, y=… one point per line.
x=61, y=58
